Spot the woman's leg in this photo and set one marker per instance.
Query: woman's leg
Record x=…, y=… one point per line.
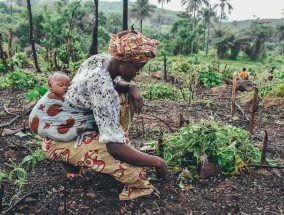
x=92, y=154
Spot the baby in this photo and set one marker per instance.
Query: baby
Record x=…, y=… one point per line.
x=58, y=84
x=53, y=117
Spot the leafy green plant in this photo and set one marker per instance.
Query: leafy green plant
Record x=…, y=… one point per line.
x=36, y=156
x=166, y=91
x=21, y=59
x=18, y=175
x=209, y=78
x=228, y=146
x=183, y=68
x=20, y=79
x=2, y=68
x=36, y=92
x=2, y=176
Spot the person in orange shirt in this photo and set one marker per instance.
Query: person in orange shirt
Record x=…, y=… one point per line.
x=244, y=74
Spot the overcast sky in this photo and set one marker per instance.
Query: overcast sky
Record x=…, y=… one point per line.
x=243, y=9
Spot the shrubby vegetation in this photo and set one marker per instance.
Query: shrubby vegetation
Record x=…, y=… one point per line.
x=199, y=143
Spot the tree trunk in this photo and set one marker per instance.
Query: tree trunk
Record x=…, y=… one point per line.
x=10, y=44
x=69, y=37
x=193, y=26
x=125, y=15
x=207, y=43
x=31, y=39
x=2, y=55
x=11, y=8
x=141, y=23
x=94, y=45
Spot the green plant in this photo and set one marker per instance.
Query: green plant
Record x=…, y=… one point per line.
x=209, y=78
x=21, y=59
x=166, y=91
x=228, y=146
x=18, y=175
x=20, y=79
x=36, y=156
x=36, y=92
x=2, y=68
x=183, y=68
x=2, y=176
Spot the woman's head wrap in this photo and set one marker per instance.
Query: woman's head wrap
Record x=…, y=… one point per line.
x=132, y=46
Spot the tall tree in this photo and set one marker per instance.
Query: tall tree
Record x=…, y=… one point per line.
x=31, y=37
x=208, y=14
x=142, y=9
x=94, y=45
x=223, y=4
x=192, y=6
x=125, y=15
x=162, y=2
x=280, y=30
x=260, y=32
x=114, y=20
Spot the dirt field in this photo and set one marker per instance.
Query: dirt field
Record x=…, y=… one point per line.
x=257, y=192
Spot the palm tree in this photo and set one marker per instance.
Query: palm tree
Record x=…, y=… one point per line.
x=114, y=20
x=207, y=15
x=222, y=5
x=142, y=9
x=280, y=31
x=94, y=45
x=125, y=15
x=162, y=2
x=193, y=5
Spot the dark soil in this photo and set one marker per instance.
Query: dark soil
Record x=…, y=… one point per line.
x=260, y=191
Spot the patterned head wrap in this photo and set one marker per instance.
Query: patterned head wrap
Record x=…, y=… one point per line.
x=132, y=46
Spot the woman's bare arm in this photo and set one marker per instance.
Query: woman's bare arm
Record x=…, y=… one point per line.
x=134, y=157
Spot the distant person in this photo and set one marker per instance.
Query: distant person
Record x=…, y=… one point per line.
x=244, y=74
x=271, y=73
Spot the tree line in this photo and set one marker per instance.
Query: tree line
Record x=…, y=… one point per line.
x=68, y=31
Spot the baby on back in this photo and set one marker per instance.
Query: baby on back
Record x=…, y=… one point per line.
x=55, y=118
x=58, y=84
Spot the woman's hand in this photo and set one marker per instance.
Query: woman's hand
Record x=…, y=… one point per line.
x=135, y=100
x=161, y=169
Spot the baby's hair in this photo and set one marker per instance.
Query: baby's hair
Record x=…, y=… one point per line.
x=52, y=75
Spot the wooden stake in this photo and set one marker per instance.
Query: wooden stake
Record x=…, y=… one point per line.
x=143, y=128
x=264, y=148
x=165, y=68
x=253, y=109
x=161, y=145
x=181, y=120
x=1, y=195
x=233, y=94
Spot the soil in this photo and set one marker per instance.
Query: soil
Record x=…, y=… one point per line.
x=260, y=191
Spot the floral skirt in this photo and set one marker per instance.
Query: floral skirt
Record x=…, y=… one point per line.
x=92, y=154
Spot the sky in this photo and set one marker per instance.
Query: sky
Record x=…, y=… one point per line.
x=242, y=9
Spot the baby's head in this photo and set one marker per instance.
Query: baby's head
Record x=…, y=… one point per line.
x=58, y=83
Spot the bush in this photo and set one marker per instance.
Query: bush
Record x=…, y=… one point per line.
x=2, y=68
x=21, y=79
x=209, y=78
x=228, y=146
x=166, y=91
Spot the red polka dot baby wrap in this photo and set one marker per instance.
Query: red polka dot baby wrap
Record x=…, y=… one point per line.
x=53, y=117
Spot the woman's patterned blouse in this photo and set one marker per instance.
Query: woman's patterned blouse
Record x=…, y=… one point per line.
x=92, y=88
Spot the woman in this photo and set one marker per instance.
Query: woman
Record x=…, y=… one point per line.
x=96, y=88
